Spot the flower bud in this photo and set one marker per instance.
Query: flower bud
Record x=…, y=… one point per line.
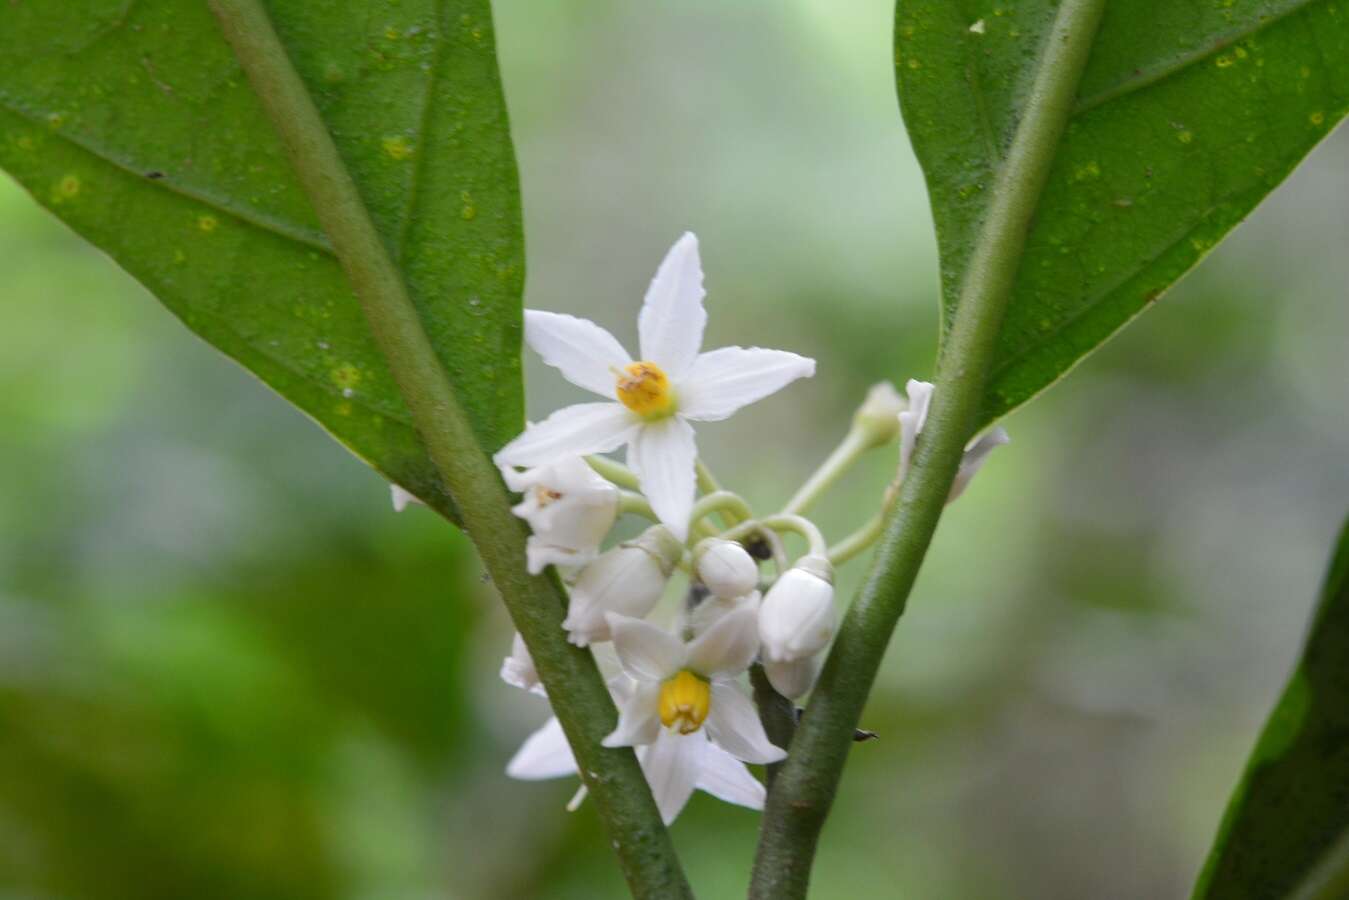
x=518, y=670
x=569, y=507
x=713, y=608
x=878, y=416
x=726, y=568
x=796, y=619
x=794, y=679
x=628, y=580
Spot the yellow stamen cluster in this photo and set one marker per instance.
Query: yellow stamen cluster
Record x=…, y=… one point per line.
x=645, y=389
x=684, y=701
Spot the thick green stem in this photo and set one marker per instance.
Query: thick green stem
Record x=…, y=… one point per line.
x=805, y=787
x=577, y=692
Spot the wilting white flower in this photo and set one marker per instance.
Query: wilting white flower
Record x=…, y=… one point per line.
x=911, y=423
x=796, y=619
x=651, y=400
x=401, y=498
x=725, y=567
x=690, y=687
x=518, y=670
x=629, y=579
x=569, y=507
x=675, y=766
x=794, y=678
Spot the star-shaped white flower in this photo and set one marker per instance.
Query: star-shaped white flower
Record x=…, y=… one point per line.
x=690, y=687
x=651, y=400
x=675, y=765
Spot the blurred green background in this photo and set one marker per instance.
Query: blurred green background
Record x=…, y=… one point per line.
x=228, y=670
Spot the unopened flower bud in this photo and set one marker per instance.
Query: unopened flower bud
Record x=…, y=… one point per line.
x=726, y=568
x=878, y=416
x=713, y=608
x=628, y=580
x=518, y=670
x=796, y=619
x=794, y=679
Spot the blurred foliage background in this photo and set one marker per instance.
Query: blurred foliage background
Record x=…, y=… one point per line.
x=228, y=670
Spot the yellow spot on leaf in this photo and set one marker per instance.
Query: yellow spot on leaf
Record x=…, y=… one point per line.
x=1224, y=61
x=346, y=376
x=207, y=223
x=1317, y=117
x=1185, y=137
x=396, y=146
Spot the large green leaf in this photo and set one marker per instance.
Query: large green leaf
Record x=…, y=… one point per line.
x=133, y=123
x=1188, y=115
x=1292, y=805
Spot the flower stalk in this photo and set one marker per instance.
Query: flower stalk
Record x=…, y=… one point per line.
x=804, y=788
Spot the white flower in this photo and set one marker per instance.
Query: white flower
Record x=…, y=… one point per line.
x=794, y=679
x=796, y=619
x=726, y=568
x=685, y=687
x=651, y=400
x=518, y=670
x=713, y=608
x=674, y=764
x=569, y=507
x=911, y=423
x=628, y=579
x=401, y=498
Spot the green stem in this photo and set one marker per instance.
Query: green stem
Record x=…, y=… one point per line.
x=578, y=694
x=719, y=501
x=801, y=526
x=616, y=472
x=805, y=788
x=708, y=484
x=628, y=502
x=850, y=449
x=858, y=541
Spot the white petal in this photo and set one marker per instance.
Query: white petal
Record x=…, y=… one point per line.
x=794, y=679
x=582, y=351
x=911, y=421
x=638, y=717
x=646, y=653
x=672, y=319
x=728, y=647
x=544, y=754
x=726, y=778
x=401, y=498
x=663, y=454
x=975, y=457
x=571, y=431
x=734, y=726
x=724, y=380
x=670, y=764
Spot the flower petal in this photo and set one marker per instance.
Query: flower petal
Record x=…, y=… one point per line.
x=646, y=653
x=582, y=351
x=672, y=319
x=726, y=778
x=662, y=454
x=638, y=717
x=401, y=498
x=571, y=431
x=670, y=764
x=734, y=726
x=911, y=421
x=728, y=647
x=724, y=380
x=976, y=454
x=544, y=754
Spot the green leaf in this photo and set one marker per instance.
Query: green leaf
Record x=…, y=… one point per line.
x=133, y=123
x=1292, y=805
x=1188, y=115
